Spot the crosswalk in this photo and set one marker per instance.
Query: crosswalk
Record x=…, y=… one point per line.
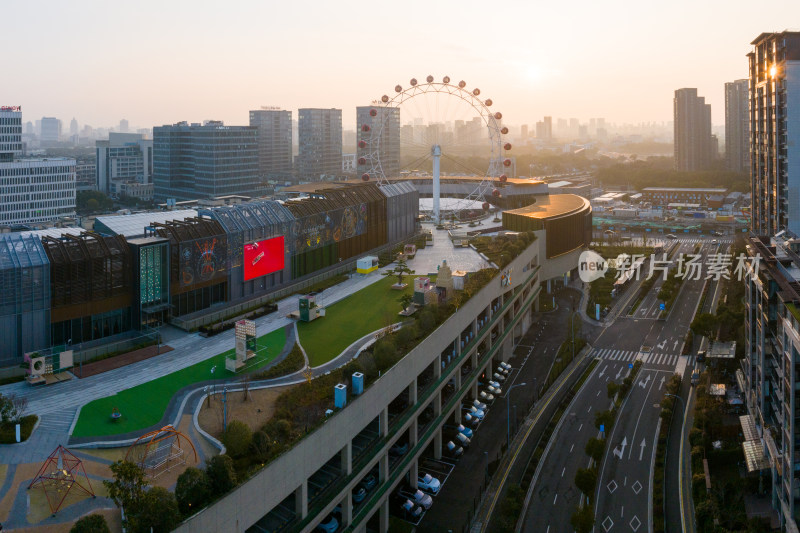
x=653, y=358
x=697, y=240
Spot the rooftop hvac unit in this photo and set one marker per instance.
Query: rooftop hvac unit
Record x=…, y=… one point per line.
x=340, y=396
x=358, y=383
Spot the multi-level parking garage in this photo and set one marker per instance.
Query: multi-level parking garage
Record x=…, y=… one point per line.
x=410, y=407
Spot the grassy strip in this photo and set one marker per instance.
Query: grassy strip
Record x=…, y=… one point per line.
x=292, y=363
x=667, y=414
x=669, y=292
x=563, y=358
x=346, y=321
x=143, y=406
x=8, y=432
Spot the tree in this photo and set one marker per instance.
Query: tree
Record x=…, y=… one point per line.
x=127, y=489
x=405, y=300
x=92, y=204
x=158, y=512
x=191, y=490
x=221, y=475
x=705, y=324
x=12, y=408
x=604, y=418
x=595, y=448
x=585, y=480
x=400, y=270
x=237, y=438
x=94, y=523
x=261, y=445
x=583, y=519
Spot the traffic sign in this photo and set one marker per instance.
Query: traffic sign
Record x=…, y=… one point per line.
x=662, y=306
x=630, y=365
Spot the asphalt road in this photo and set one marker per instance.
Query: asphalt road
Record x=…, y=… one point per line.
x=624, y=475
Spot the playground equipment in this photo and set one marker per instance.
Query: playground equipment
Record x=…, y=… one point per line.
x=160, y=451
x=246, y=346
x=59, y=474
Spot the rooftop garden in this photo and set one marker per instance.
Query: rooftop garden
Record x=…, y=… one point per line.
x=502, y=249
x=144, y=405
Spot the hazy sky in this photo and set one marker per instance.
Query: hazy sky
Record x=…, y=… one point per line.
x=161, y=62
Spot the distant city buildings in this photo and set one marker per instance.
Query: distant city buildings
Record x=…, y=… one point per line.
x=274, y=141
x=320, y=137
x=693, y=147
x=774, y=134
x=31, y=190
x=123, y=126
x=379, y=134
x=737, y=126
x=194, y=161
x=51, y=130
x=124, y=157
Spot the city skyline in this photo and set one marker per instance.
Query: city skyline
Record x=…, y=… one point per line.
x=544, y=61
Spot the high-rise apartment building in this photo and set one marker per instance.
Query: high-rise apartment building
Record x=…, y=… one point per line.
x=693, y=144
x=124, y=157
x=31, y=190
x=548, y=128
x=123, y=126
x=51, y=130
x=194, y=161
x=319, y=132
x=737, y=126
x=381, y=137
x=775, y=132
x=274, y=141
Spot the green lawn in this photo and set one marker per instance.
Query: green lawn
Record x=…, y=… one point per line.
x=346, y=321
x=144, y=405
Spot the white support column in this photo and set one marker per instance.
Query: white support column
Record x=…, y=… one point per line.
x=301, y=500
x=413, y=474
x=384, y=515
x=347, y=458
x=436, y=153
x=384, y=422
x=437, y=444
x=347, y=509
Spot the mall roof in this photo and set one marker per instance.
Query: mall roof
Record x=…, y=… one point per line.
x=553, y=205
x=134, y=225
x=53, y=232
x=719, y=190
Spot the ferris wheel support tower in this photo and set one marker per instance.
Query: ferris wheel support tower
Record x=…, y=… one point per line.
x=436, y=153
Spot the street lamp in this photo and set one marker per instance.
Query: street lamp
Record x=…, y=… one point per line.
x=508, y=411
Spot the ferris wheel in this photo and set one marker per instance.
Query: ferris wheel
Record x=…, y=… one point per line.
x=439, y=103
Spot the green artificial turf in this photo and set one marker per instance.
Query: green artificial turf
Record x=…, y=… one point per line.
x=144, y=405
x=346, y=321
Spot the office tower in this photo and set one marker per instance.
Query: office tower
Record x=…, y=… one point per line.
x=123, y=158
x=73, y=126
x=51, y=130
x=774, y=132
x=274, y=141
x=123, y=126
x=31, y=190
x=320, y=134
x=203, y=161
x=382, y=138
x=548, y=128
x=693, y=149
x=562, y=128
x=541, y=131
x=737, y=126
x=29, y=128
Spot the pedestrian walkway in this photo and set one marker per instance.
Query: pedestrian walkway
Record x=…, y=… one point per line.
x=651, y=358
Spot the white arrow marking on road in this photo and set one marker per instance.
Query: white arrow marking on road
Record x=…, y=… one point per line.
x=662, y=344
x=661, y=384
x=619, y=452
x=600, y=375
x=619, y=373
x=643, y=382
x=641, y=450
x=675, y=346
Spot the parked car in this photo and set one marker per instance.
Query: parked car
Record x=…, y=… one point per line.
x=499, y=377
x=463, y=439
x=671, y=236
x=486, y=396
x=428, y=483
x=502, y=370
x=494, y=384
x=329, y=524
x=359, y=493
x=505, y=365
x=423, y=500
x=370, y=481
x=701, y=356
x=453, y=451
x=414, y=511
x=494, y=390
x=465, y=430
x=479, y=405
x=471, y=419
x=399, y=448
x=714, y=241
x=474, y=411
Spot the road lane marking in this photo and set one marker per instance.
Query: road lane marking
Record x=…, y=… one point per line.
x=570, y=448
x=564, y=470
x=554, y=499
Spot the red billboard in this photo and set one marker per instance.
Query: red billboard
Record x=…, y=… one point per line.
x=263, y=257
